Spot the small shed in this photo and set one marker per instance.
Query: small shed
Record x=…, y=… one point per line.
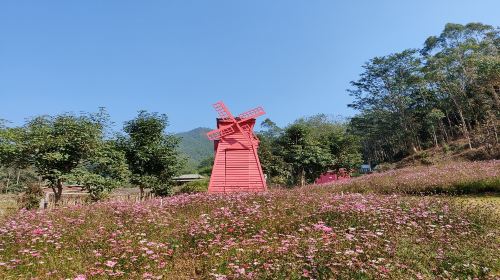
x=365, y=168
x=332, y=176
x=186, y=178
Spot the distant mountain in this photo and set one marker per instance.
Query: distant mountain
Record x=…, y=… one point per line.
x=195, y=146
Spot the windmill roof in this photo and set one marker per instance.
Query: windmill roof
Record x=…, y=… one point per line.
x=188, y=177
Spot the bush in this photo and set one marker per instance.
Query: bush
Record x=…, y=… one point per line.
x=195, y=186
x=382, y=167
x=446, y=148
x=30, y=199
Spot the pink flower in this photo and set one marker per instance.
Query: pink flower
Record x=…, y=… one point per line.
x=320, y=226
x=110, y=264
x=80, y=277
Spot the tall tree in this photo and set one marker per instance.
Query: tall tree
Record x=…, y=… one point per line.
x=450, y=68
x=307, y=157
x=387, y=91
x=152, y=155
x=14, y=156
x=271, y=154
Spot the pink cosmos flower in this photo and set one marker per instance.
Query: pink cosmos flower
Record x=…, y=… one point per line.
x=80, y=277
x=38, y=231
x=110, y=264
x=320, y=226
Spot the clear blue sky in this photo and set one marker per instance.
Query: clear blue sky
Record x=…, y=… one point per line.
x=295, y=58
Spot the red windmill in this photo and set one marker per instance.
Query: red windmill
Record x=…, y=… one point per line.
x=236, y=166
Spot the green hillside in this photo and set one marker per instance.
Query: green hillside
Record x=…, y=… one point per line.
x=195, y=146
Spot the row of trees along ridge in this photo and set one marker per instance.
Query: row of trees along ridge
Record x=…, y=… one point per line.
x=417, y=98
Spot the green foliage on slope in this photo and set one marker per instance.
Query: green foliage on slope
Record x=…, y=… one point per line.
x=195, y=146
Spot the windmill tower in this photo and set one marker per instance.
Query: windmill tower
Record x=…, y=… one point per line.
x=236, y=166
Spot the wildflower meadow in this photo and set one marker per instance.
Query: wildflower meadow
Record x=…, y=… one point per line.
x=321, y=232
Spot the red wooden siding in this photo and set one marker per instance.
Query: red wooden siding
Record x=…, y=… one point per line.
x=236, y=165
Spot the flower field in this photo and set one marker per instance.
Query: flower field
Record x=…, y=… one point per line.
x=304, y=233
x=455, y=178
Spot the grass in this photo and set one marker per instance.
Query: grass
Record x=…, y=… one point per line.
x=491, y=201
x=328, y=232
x=8, y=205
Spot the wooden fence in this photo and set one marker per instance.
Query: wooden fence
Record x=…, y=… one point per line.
x=69, y=199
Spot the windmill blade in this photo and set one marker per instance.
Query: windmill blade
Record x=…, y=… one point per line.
x=223, y=111
x=251, y=136
x=252, y=114
x=219, y=133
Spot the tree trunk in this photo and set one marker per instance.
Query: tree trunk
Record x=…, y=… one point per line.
x=302, y=177
x=141, y=189
x=449, y=124
x=419, y=143
x=435, y=137
x=495, y=92
x=18, y=175
x=443, y=129
x=8, y=180
x=496, y=133
x=464, y=124
x=57, y=189
x=494, y=125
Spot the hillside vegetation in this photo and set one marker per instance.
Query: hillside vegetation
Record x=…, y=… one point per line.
x=195, y=145
x=418, y=98
x=455, y=178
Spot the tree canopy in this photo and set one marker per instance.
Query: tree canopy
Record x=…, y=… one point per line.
x=415, y=99
x=78, y=149
x=151, y=154
x=299, y=153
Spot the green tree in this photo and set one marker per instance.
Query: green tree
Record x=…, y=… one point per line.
x=60, y=144
x=205, y=166
x=271, y=154
x=448, y=90
x=14, y=155
x=306, y=156
x=105, y=170
x=342, y=146
x=450, y=67
x=152, y=155
x=299, y=153
x=387, y=91
x=433, y=119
